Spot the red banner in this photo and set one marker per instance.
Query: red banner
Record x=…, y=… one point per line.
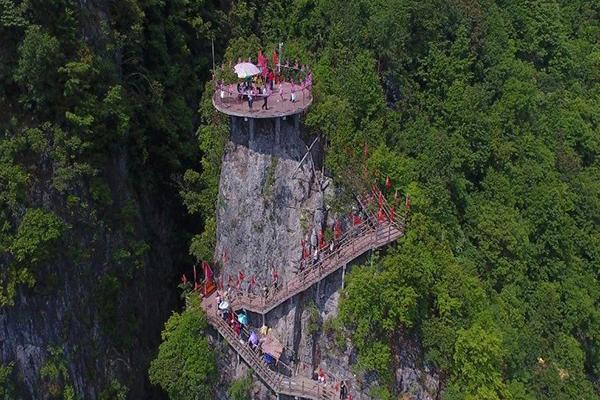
x=381, y=215
x=322, y=243
x=208, y=274
x=337, y=230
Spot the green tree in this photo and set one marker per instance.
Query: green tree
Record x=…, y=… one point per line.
x=241, y=389
x=185, y=366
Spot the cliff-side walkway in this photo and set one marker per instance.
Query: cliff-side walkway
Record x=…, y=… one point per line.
x=368, y=235
x=353, y=244
x=298, y=386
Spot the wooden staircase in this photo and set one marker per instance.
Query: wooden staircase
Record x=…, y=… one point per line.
x=297, y=386
x=357, y=241
x=368, y=235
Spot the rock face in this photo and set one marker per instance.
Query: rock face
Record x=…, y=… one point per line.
x=268, y=203
x=266, y=200
x=94, y=320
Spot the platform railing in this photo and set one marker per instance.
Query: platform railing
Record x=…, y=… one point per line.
x=279, y=383
x=349, y=246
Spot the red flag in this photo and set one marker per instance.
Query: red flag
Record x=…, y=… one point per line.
x=356, y=220
x=305, y=250
x=208, y=274
x=183, y=279
x=262, y=62
x=407, y=202
x=322, y=243
x=337, y=229
x=381, y=215
x=388, y=183
x=241, y=276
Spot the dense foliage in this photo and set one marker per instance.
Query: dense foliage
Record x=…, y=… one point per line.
x=185, y=366
x=241, y=389
x=486, y=113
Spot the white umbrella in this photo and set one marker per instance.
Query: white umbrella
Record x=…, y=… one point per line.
x=224, y=305
x=246, y=69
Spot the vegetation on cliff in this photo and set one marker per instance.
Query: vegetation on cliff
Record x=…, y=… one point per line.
x=185, y=366
x=486, y=113
x=97, y=113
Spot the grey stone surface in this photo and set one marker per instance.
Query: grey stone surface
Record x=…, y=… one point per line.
x=266, y=201
x=63, y=310
x=267, y=205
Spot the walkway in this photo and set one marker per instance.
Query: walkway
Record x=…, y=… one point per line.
x=352, y=245
x=367, y=235
x=298, y=386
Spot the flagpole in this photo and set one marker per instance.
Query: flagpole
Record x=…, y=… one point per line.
x=280, y=57
x=212, y=45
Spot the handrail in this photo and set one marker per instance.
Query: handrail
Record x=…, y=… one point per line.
x=354, y=243
x=302, y=386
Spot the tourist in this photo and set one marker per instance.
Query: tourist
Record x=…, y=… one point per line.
x=343, y=391
x=293, y=92
x=266, y=291
x=315, y=258
x=250, y=100
x=321, y=377
x=281, y=92
x=265, y=97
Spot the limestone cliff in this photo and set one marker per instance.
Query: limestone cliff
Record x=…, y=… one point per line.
x=268, y=203
x=93, y=319
x=267, y=200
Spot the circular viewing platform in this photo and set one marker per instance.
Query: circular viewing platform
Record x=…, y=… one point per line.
x=228, y=100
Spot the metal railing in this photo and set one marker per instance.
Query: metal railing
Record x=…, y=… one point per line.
x=350, y=245
x=293, y=386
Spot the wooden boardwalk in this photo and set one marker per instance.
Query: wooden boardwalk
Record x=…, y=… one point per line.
x=355, y=243
x=298, y=386
x=368, y=235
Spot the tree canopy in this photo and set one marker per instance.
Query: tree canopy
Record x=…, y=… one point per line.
x=185, y=366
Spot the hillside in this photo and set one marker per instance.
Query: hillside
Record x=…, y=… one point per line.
x=117, y=174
